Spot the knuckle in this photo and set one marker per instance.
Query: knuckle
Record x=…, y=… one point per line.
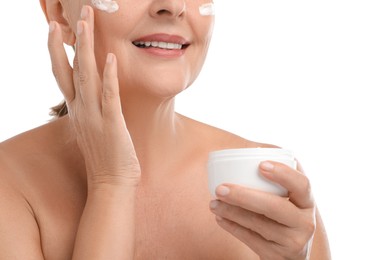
x=83, y=78
x=306, y=186
x=111, y=108
x=109, y=95
x=76, y=64
x=260, y=226
x=235, y=230
x=310, y=226
x=307, y=223
x=298, y=245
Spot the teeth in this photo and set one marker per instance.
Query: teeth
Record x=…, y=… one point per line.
x=161, y=45
x=170, y=46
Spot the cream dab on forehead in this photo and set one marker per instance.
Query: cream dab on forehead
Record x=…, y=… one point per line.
x=207, y=9
x=108, y=6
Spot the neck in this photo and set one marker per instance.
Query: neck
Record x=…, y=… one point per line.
x=155, y=129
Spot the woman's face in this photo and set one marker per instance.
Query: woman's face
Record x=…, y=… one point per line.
x=158, y=70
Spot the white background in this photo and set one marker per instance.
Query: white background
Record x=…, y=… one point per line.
x=310, y=76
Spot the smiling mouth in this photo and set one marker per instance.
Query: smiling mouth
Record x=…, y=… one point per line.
x=160, y=45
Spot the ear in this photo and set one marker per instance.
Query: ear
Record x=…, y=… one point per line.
x=54, y=11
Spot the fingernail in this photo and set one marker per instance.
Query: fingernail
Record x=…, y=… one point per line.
x=80, y=27
x=222, y=190
x=267, y=166
x=84, y=12
x=214, y=204
x=110, y=58
x=52, y=26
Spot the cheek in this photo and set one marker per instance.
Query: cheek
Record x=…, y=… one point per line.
x=202, y=28
x=204, y=33
x=108, y=38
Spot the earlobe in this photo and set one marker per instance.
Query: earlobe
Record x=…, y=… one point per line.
x=54, y=11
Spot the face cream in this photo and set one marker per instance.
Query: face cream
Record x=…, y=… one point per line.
x=108, y=6
x=207, y=9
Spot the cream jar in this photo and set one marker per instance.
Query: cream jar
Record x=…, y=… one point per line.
x=241, y=167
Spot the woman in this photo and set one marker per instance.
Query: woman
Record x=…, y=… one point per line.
x=122, y=176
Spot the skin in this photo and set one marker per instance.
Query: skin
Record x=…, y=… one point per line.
x=110, y=182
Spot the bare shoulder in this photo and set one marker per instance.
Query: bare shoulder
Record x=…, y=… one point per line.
x=20, y=232
x=218, y=138
x=21, y=155
x=27, y=162
x=15, y=154
x=33, y=158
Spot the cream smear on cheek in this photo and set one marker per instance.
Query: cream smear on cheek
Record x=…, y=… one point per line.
x=108, y=6
x=207, y=9
x=111, y=6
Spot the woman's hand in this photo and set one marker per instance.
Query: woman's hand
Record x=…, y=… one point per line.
x=106, y=229
x=272, y=226
x=94, y=107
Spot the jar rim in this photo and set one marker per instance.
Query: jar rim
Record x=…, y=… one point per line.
x=244, y=152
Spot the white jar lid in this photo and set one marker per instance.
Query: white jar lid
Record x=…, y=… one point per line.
x=250, y=152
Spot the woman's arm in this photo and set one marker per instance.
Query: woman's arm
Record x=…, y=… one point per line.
x=106, y=229
x=19, y=230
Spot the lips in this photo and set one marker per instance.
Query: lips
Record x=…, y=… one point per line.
x=162, y=41
x=161, y=45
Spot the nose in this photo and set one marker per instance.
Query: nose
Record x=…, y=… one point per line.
x=168, y=8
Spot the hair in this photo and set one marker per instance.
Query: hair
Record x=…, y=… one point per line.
x=59, y=110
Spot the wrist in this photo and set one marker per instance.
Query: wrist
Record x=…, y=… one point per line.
x=115, y=181
x=111, y=196
x=112, y=187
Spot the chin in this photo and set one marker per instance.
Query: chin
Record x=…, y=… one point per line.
x=160, y=85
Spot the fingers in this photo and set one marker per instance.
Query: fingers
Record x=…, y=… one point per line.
x=267, y=228
x=111, y=105
x=88, y=16
x=298, y=247
x=289, y=240
x=83, y=80
x=265, y=249
x=273, y=226
x=295, y=182
x=86, y=75
x=60, y=65
x=272, y=206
